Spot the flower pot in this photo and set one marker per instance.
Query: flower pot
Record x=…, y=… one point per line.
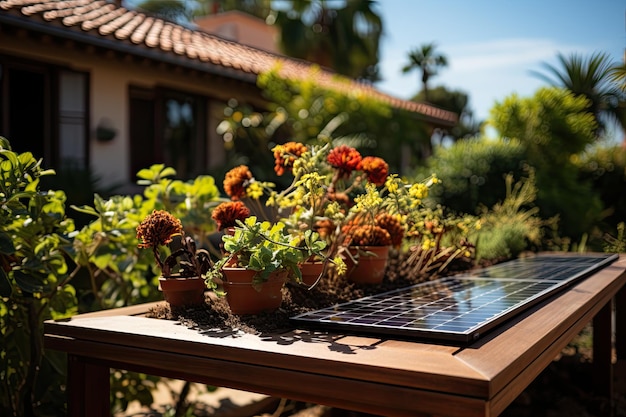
x=179, y=292
x=311, y=271
x=245, y=298
x=370, y=266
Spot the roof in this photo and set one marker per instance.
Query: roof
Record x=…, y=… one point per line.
x=111, y=26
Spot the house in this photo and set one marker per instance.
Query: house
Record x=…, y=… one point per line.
x=116, y=90
x=242, y=28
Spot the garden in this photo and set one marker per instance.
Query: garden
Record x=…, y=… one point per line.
x=328, y=191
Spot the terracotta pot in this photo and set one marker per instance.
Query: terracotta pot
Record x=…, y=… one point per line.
x=244, y=298
x=370, y=266
x=179, y=292
x=311, y=271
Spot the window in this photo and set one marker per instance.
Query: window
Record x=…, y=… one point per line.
x=168, y=127
x=44, y=111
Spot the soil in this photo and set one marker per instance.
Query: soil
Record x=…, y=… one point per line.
x=563, y=389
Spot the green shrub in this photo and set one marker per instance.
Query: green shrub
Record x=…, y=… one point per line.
x=605, y=168
x=34, y=286
x=513, y=225
x=473, y=171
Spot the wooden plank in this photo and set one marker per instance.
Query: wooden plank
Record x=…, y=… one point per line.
x=505, y=396
x=321, y=388
x=135, y=310
x=411, y=364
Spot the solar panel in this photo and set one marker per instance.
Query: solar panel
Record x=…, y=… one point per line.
x=463, y=307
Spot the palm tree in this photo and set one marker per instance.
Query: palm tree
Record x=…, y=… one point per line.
x=596, y=78
x=345, y=39
x=428, y=61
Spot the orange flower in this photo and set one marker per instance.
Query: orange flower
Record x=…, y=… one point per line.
x=227, y=214
x=392, y=224
x=158, y=229
x=366, y=235
x=325, y=227
x=376, y=169
x=285, y=155
x=236, y=181
x=344, y=158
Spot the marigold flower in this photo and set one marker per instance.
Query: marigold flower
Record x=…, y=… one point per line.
x=158, y=229
x=285, y=155
x=227, y=214
x=366, y=235
x=236, y=181
x=325, y=227
x=375, y=168
x=392, y=224
x=345, y=159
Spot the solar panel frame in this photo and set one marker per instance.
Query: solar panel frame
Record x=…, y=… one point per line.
x=459, y=308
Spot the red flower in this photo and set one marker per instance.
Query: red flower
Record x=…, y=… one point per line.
x=344, y=158
x=285, y=155
x=227, y=214
x=376, y=169
x=236, y=181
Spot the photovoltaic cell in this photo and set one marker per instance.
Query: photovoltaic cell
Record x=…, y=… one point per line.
x=461, y=307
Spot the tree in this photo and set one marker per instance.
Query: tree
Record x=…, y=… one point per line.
x=597, y=78
x=345, y=39
x=172, y=10
x=458, y=102
x=428, y=61
x=555, y=126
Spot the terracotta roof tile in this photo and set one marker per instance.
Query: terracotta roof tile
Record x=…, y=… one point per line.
x=122, y=16
x=101, y=19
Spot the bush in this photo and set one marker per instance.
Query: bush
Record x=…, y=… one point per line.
x=512, y=226
x=34, y=286
x=605, y=168
x=473, y=171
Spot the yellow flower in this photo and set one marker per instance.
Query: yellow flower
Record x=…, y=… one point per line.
x=392, y=183
x=340, y=265
x=254, y=190
x=418, y=191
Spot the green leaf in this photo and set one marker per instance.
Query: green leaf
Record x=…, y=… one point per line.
x=28, y=282
x=5, y=285
x=6, y=244
x=85, y=210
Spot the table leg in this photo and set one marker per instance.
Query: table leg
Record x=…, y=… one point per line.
x=620, y=324
x=88, y=388
x=602, y=351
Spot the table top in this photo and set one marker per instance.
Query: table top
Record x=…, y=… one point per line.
x=382, y=375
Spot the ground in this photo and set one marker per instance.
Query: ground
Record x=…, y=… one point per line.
x=563, y=389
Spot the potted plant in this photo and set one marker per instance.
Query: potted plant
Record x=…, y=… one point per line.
x=367, y=236
x=182, y=271
x=260, y=258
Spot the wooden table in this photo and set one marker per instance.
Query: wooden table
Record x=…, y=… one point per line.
x=377, y=375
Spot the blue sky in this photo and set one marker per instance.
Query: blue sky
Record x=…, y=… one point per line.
x=492, y=46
